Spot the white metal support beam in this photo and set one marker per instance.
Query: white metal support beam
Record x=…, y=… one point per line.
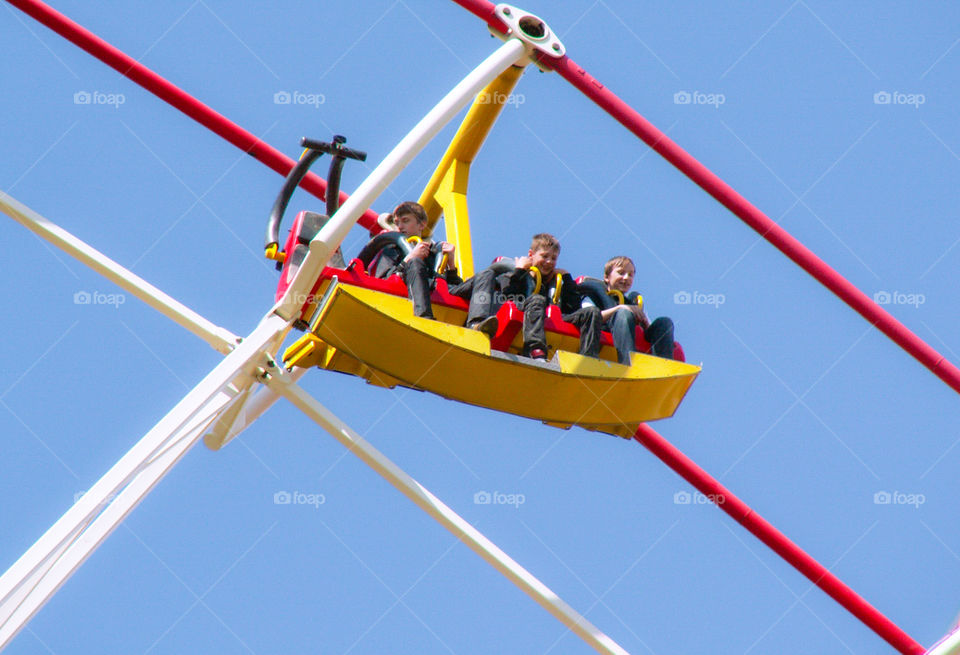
x=949, y=645
x=283, y=385
x=244, y=410
x=46, y=566
x=220, y=338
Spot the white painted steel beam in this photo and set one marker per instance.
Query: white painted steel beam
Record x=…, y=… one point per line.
x=220, y=338
x=249, y=407
x=283, y=385
x=46, y=566
x=949, y=645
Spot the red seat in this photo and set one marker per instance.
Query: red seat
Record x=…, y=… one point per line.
x=509, y=316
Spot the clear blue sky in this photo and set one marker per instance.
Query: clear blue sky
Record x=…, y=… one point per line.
x=839, y=121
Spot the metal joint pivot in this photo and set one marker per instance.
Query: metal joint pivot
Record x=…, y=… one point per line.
x=531, y=30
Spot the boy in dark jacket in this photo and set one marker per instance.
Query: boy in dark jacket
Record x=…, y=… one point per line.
x=410, y=220
x=534, y=284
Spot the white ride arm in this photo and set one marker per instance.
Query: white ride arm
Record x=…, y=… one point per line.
x=220, y=338
x=449, y=519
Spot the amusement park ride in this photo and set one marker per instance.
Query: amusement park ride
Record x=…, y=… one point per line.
x=323, y=296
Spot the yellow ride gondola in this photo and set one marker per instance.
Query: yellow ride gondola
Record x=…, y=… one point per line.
x=364, y=326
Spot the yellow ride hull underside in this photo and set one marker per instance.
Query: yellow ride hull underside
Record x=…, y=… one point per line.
x=376, y=336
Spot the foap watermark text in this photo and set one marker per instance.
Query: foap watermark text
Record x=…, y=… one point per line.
x=298, y=498
x=497, y=98
x=99, y=98
x=99, y=298
x=697, y=498
x=898, y=498
x=898, y=98
x=899, y=298
x=699, y=98
x=299, y=98
x=699, y=298
x=498, y=498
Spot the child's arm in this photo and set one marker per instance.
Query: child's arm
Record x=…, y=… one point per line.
x=607, y=314
x=570, y=299
x=641, y=315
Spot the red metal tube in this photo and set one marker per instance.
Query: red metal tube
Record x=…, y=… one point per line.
x=776, y=540
x=679, y=158
x=756, y=219
x=740, y=206
x=484, y=11
x=177, y=97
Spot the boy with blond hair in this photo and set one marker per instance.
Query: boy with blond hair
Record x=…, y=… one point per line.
x=534, y=284
x=625, y=313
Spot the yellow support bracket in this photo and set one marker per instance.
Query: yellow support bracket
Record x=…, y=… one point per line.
x=446, y=193
x=452, y=197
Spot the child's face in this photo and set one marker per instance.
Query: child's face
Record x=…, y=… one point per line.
x=620, y=278
x=408, y=225
x=545, y=259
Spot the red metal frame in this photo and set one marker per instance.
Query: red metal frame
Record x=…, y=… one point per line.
x=776, y=540
x=179, y=99
x=764, y=226
x=740, y=206
x=593, y=89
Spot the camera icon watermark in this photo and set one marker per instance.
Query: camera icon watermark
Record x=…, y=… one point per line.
x=899, y=298
x=299, y=98
x=98, y=298
x=99, y=98
x=898, y=98
x=699, y=98
x=299, y=498
x=899, y=498
x=697, y=498
x=699, y=298
x=498, y=498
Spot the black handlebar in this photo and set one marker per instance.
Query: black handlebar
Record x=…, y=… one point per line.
x=335, y=148
x=297, y=173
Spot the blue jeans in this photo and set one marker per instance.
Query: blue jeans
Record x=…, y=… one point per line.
x=658, y=334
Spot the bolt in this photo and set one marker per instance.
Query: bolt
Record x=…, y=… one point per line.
x=506, y=11
x=556, y=46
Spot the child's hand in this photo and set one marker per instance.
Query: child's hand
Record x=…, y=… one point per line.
x=524, y=262
x=447, y=249
x=420, y=251
x=642, y=319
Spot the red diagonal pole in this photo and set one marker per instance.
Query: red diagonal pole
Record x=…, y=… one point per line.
x=177, y=97
x=658, y=141
x=776, y=540
x=763, y=224
x=740, y=206
x=805, y=258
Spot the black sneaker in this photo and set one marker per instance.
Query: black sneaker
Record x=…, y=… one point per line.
x=488, y=326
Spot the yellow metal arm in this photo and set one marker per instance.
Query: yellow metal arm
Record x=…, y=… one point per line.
x=446, y=193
